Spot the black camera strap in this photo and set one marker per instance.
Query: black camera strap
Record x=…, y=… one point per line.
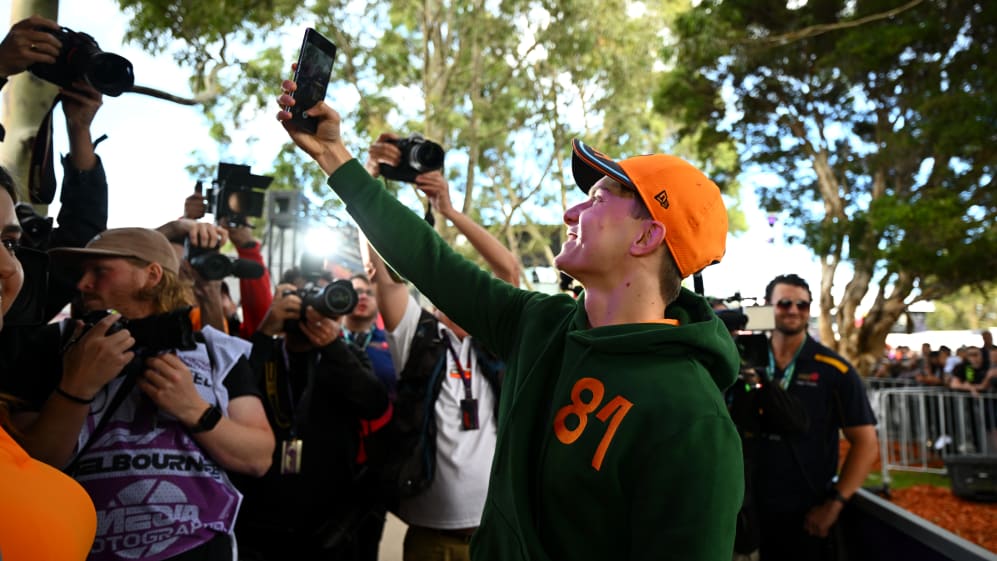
x=131, y=373
x=126, y=387
x=41, y=177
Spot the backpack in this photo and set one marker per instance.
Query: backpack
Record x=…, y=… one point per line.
x=404, y=451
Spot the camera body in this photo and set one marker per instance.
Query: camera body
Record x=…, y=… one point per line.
x=333, y=300
x=81, y=59
x=153, y=334
x=418, y=156
x=212, y=265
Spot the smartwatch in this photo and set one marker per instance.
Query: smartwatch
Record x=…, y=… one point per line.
x=209, y=419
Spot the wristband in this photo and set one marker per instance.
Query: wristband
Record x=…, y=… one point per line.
x=73, y=398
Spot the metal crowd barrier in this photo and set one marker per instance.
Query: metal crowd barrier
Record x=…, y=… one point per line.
x=920, y=426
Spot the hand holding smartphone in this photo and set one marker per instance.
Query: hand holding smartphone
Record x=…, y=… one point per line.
x=312, y=78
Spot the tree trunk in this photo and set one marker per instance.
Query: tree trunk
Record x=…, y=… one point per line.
x=25, y=101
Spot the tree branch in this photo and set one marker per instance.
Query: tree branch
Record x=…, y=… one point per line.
x=815, y=30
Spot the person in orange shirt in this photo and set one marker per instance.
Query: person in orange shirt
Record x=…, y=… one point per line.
x=45, y=514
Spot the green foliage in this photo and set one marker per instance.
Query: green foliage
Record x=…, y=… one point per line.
x=503, y=85
x=968, y=308
x=880, y=128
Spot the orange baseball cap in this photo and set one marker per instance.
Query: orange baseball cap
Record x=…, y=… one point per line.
x=676, y=193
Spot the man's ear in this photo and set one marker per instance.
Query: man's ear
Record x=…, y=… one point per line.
x=154, y=274
x=652, y=235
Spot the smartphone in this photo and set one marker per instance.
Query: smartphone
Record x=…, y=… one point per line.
x=312, y=77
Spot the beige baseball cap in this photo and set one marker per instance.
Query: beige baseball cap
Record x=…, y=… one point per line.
x=140, y=243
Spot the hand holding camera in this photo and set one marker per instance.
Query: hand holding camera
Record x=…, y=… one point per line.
x=286, y=306
x=416, y=156
x=29, y=41
x=437, y=190
x=318, y=329
x=95, y=356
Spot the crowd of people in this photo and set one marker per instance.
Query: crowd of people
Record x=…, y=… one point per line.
x=164, y=421
x=970, y=368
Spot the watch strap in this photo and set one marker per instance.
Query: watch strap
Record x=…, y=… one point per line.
x=209, y=419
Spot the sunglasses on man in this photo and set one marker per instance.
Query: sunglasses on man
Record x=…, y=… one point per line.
x=786, y=303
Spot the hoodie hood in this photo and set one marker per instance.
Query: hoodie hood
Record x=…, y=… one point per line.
x=700, y=334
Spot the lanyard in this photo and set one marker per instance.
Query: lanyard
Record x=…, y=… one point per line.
x=787, y=374
x=352, y=338
x=286, y=413
x=465, y=374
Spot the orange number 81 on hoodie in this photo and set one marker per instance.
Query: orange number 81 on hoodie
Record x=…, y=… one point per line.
x=617, y=408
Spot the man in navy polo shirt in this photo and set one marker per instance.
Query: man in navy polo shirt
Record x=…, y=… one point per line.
x=799, y=491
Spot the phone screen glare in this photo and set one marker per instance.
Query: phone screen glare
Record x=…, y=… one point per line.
x=312, y=77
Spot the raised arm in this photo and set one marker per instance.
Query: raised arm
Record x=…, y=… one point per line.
x=502, y=262
x=392, y=293
x=488, y=308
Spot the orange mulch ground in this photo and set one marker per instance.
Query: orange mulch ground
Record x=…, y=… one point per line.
x=973, y=521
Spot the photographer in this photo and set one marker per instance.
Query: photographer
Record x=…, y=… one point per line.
x=316, y=500
x=208, y=302
x=442, y=371
x=136, y=421
x=255, y=293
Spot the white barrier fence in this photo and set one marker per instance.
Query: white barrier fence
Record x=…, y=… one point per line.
x=920, y=426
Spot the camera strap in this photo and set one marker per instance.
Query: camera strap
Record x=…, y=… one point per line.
x=287, y=412
x=41, y=178
x=126, y=387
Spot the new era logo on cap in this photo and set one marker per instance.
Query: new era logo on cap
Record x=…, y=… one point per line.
x=662, y=198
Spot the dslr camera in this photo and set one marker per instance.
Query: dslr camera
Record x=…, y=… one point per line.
x=153, y=334
x=212, y=265
x=418, y=156
x=332, y=300
x=81, y=59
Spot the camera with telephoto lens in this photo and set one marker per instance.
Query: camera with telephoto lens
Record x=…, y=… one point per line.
x=212, y=265
x=81, y=59
x=418, y=156
x=153, y=334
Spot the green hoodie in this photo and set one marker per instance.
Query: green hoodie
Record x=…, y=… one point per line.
x=614, y=443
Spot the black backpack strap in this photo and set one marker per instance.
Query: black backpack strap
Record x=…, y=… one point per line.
x=491, y=367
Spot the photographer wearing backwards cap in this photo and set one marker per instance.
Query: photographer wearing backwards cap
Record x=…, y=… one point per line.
x=614, y=441
x=149, y=436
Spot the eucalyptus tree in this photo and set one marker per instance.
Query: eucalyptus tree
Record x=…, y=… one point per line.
x=502, y=85
x=878, y=119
